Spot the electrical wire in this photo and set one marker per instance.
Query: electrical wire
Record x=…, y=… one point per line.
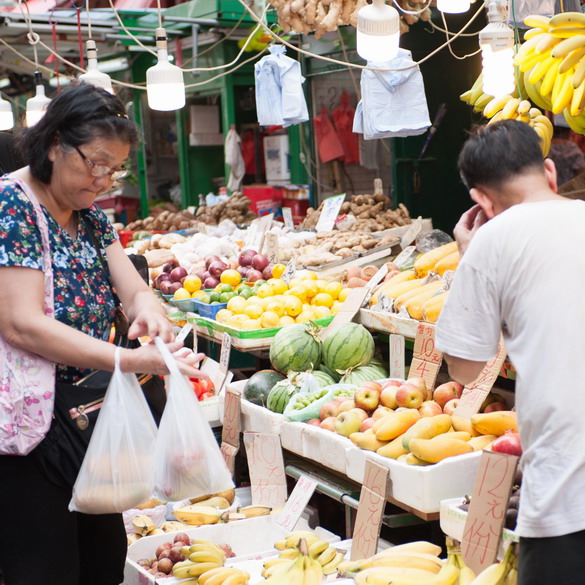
x=451, y=48
x=437, y=27
x=33, y=38
x=358, y=93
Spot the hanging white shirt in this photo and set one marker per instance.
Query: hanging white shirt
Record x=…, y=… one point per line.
x=393, y=103
x=235, y=159
x=280, y=100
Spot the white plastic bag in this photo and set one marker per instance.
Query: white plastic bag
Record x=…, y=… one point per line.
x=188, y=462
x=116, y=473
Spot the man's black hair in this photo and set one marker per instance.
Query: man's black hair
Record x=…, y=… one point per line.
x=498, y=152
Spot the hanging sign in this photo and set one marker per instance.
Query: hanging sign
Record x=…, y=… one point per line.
x=329, y=213
x=230, y=435
x=426, y=358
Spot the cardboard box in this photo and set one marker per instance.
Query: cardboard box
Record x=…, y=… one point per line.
x=204, y=119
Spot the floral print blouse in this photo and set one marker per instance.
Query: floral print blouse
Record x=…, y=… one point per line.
x=83, y=296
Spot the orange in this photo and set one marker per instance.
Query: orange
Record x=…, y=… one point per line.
x=231, y=277
x=192, y=283
x=278, y=270
x=269, y=319
x=334, y=288
x=323, y=300
x=292, y=306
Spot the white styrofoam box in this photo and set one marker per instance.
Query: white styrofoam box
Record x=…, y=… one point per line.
x=291, y=436
x=204, y=119
x=276, y=158
x=211, y=410
x=253, y=538
x=205, y=139
x=452, y=521
x=325, y=447
x=421, y=488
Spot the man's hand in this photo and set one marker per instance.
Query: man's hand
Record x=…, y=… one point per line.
x=467, y=226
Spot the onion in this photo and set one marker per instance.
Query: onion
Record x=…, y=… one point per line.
x=202, y=274
x=508, y=443
x=244, y=270
x=211, y=259
x=178, y=273
x=169, y=266
x=205, y=276
x=174, y=287
x=216, y=268
x=165, y=286
x=245, y=258
x=211, y=282
x=259, y=262
x=164, y=277
x=254, y=275
x=267, y=272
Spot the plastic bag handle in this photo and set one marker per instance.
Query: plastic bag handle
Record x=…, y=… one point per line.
x=167, y=357
x=117, y=358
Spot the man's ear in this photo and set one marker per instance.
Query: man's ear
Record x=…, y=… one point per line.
x=550, y=172
x=484, y=201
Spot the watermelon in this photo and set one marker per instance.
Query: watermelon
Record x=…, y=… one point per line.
x=334, y=375
x=322, y=378
x=296, y=348
x=280, y=395
x=350, y=346
x=363, y=374
x=258, y=387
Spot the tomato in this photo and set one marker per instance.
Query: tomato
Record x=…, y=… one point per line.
x=207, y=395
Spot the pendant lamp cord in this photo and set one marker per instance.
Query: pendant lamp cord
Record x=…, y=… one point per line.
x=79, y=35
x=33, y=37
x=159, y=13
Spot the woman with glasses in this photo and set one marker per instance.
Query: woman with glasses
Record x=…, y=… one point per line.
x=73, y=154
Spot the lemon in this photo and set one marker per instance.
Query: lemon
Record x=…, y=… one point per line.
x=295, y=282
x=237, y=305
x=304, y=317
x=343, y=294
x=309, y=275
x=321, y=284
x=334, y=288
x=292, y=306
x=297, y=291
x=181, y=294
x=278, y=270
x=310, y=288
x=231, y=277
x=198, y=294
x=250, y=324
x=264, y=291
x=323, y=300
x=253, y=311
x=279, y=287
x=321, y=312
x=276, y=307
x=223, y=315
x=286, y=320
x=269, y=319
x=335, y=308
x=192, y=284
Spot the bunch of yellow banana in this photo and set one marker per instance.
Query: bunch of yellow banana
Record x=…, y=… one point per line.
x=223, y=576
x=466, y=574
x=202, y=556
x=303, y=570
x=503, y=573
x=326, y=555
x=479, y=100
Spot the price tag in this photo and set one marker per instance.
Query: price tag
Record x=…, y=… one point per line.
x=226, y=347
x=368, y=520
x=290, y=269
x=329, y=213
x=271, y=247
x=475, y=393
x=202, y=227
x=487, y=511
x=426, y=358
x=266, y=467
x=251, y=234
x=184, y=332
x=410, y=235
x=230, y=435
x=288, y=218
x=297, y=502
x=397, y=356
x=216, y=374
x=348, y=310
x=263, y=227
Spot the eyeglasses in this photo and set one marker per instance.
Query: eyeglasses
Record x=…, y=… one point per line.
x=103, y=170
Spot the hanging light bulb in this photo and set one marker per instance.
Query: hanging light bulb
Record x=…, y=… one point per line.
x=378, y=32
x=6, y=115
x=36, y=106
x=93, y=75
x=165, y=87
x=453, y=6
x=496, y=41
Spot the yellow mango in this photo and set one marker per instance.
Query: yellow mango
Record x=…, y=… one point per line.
x=389, y=284
x=393, y=449
x=402, y=287
x=494, y=423
x=449, y=262
x=427, y=428
x=433, y=307
x=415, y=305
x=396, y=423
x=411, y=459
x=482, y=442
x=462, y=435
x=439, y=448
x=367, y=440
x=463, y=424
x=404, y=298
x=426, y=262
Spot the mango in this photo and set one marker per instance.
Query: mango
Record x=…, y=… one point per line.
x=494, y=423
x=439, y=448
x=393, y=449
x=396, y=423
x=427, y=428
x=367, y=440
x=482, y=442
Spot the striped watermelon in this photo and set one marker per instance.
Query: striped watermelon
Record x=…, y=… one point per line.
x=280, y=396
x=334, y=375
x=363, y=374
x=349, y=346
x=322, y=378
x=296, y=348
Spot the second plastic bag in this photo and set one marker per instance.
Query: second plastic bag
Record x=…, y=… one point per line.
x=188, y=462
x=116, y=473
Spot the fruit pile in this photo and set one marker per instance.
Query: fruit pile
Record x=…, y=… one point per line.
x=211, y=513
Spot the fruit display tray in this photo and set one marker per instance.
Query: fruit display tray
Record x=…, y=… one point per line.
x=387, y=323
x=452, y=521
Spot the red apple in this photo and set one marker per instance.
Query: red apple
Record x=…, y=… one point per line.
x=495, y=406
x=409, y=396
x=421, y=385
x=368, y=423
x=393, y=382
x=346, y=405
x=380, y=412
x=450, y=407
x=447, y=391
x=330, y=408
x=388, y=396
x=347, y=423
x=360, y=412
x=315, y=422
x=373, y=385
x=430, y=408
x=328, y=424
x=367, y=397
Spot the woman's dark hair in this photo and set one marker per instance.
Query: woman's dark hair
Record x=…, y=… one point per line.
x=498, y=152
x=80, y=114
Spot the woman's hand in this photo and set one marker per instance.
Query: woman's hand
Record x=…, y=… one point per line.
x=151, y=323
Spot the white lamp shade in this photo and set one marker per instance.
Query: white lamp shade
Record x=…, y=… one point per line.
x=6, y=115
x=378, y=32
x=95, y=77
x=165, y=88
x=498, y=71
x=453, y=6
x=36, y=106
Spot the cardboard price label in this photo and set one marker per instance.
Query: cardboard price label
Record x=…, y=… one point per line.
x=487, y=511
x=426, y=358
x=475, y=393
x=266, y=466
x=288, y=217
x=411, y=233
x=264, y=225
x=216, y=374
x=230, y=435
x=297, y=502
x=329, y=213
x=348, y=309
x=370, y=511
x=290, y=269
x=226, y=348
x=271, y=248
x=397, y=345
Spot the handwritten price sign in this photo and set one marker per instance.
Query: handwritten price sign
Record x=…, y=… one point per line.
x=396, y=356
x=266, y=466
x=230, y=435
x=288, y=218
x=487, y=511
x=226, y=347
x=370, y=511
x=475, y=393
x=426, y=358
x=297, y=502
x=329, y=213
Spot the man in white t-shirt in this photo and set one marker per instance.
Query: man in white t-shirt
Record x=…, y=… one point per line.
x=523, y=274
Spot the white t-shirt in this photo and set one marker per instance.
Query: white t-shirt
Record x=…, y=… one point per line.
x=524, y=274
